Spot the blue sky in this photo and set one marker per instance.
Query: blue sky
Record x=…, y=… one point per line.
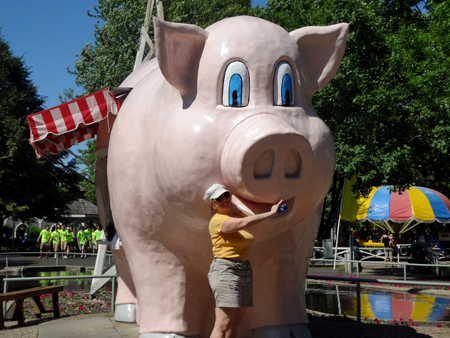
x=48, y=34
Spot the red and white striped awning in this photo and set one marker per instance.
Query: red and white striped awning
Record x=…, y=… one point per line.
x=58, y=128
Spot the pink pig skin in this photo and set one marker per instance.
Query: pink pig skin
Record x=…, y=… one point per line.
x=173, y=138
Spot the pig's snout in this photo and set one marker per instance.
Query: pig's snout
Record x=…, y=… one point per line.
x=265, y=159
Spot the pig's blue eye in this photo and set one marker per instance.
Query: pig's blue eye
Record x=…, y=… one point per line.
x=283, y=88
x=236, y=83
x=235, y=91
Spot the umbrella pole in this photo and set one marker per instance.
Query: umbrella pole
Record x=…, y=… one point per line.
x=405, y=227
x=388, y=226
x=413, y=226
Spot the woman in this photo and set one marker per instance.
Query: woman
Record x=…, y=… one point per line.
x=355, y=244
x=70, y=241
x=230, y=274
x=386, y=240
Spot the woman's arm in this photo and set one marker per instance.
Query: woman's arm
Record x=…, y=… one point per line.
x=234, y=224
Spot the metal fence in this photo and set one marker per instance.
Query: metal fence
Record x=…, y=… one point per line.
x=404, y=265
x=7, y=254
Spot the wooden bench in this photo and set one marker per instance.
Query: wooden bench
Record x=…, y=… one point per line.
x=34, y=293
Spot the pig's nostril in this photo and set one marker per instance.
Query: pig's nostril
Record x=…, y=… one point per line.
x=293, y=164
x=264, y=165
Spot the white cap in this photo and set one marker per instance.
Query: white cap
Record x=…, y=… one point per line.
x=213, y=192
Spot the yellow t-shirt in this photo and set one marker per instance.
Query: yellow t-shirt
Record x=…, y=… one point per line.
x=233, y=245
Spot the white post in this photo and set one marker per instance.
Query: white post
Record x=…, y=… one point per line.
x=337, y=241
x=339, y=223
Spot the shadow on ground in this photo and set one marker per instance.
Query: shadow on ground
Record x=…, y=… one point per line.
x=339, y=327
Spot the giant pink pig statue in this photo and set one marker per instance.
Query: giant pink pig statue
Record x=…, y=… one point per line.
x=229, y=104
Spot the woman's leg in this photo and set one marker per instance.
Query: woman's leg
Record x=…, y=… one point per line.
x=224, y=320
x=238, y=316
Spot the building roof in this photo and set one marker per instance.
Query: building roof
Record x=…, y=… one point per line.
x=82, y=206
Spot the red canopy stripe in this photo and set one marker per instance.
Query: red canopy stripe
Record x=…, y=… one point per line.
x=72, y=122
x=401, y=206
x=67, y=115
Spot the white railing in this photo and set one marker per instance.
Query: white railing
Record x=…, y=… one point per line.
x=35, y=253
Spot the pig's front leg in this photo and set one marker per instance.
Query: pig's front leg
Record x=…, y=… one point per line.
x=279, y=282
x=171, y=294
x=125, y=311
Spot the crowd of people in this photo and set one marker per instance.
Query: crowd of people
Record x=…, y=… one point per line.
x=390, y=242
x=64, y=241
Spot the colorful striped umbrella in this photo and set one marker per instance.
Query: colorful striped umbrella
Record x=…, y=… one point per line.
x=414, y=204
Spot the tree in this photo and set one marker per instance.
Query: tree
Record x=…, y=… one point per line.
x=29, y=188
x=387, y=107
x=88, y=171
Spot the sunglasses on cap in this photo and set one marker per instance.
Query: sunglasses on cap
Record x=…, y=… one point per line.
x=220, y=198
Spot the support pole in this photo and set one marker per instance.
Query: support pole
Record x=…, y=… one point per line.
x=339, y=223
x=113, y=294
x=358, y=301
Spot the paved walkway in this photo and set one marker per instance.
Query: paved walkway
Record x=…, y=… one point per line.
x=74, y=327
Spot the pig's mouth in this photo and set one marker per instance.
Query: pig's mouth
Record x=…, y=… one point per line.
x=249, y=208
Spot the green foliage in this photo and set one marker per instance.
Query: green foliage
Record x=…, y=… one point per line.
x=387, y=107
x=89, y=172
x=6, y=232
x=33, y=232
x=29, y=188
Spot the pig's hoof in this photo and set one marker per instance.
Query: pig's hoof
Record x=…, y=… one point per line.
x=286, y=331
x=166, y=335
x=125, y=313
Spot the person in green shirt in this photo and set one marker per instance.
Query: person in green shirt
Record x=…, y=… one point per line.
x=81, y=239
x=59, y=229
x=63, y=234
x=88, y=235
x=96, y=236
x=56, y=240
x=70, y=241
x=44, y=236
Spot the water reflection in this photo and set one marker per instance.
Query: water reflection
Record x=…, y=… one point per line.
x=377, y=304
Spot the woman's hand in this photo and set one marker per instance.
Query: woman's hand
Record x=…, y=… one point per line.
x=234, y=224
x=275, y=207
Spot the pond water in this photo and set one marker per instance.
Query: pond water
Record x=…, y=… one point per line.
x=71, y=284
x=376, y=303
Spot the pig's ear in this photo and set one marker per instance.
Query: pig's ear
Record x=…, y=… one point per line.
x=322, y=49
x=179, y=48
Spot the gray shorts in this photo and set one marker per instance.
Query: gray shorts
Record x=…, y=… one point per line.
x=231, y=281
x=388, y=252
